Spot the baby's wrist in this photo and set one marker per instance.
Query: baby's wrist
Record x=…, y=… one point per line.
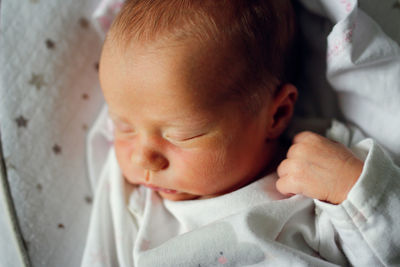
x=349, y=177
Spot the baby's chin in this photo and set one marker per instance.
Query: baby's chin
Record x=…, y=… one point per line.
x=177, y=196
x=184, y=196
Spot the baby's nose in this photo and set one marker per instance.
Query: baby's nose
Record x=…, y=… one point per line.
x=150, y=160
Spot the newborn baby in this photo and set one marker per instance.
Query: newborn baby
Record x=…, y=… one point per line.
x=196, y=114
x=199, y=94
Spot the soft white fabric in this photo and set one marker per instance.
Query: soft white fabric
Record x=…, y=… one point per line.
x=49, y=97
x=361, y=65
x=105, y=14
x=11, y=248
x=133, y=226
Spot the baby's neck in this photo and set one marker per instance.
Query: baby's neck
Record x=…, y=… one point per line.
x=277, y=150
x=276, y=153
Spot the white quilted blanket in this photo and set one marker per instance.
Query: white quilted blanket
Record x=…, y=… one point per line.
x=49, y=97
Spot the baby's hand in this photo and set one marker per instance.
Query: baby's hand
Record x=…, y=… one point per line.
x=318, y=168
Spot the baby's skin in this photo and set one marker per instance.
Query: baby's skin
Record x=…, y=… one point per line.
x=318, y=168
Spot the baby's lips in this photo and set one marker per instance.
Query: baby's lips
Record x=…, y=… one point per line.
x=168, y=191
x=164, y=190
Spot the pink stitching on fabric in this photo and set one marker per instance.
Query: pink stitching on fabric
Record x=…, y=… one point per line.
x=347, y=4
x=222, y=260
x=341, y=42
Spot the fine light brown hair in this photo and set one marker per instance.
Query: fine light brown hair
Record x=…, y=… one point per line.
x=252, y=39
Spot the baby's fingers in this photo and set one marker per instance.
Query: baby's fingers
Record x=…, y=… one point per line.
x=301, y=151
x=288, y=171
x=308, y=137
x=301, y=177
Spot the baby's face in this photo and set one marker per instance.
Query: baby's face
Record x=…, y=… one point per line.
x=167, y=136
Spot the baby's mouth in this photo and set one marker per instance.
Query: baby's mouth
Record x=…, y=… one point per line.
x=160, y=189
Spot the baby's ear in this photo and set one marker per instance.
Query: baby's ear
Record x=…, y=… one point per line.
x=282, y=108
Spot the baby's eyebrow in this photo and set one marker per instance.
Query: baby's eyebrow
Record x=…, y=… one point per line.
x=115, y=117
x=191, y=123
x=175, y=122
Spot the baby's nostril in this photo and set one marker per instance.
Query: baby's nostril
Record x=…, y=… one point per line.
x=164, y=163
x=153, y=161
x=160, y=162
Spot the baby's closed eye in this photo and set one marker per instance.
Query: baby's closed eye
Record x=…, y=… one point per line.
x=122, y=129
x=183, y=137
x=120, y=125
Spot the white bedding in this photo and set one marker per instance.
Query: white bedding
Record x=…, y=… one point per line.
x=49, y=97
x=362, y=69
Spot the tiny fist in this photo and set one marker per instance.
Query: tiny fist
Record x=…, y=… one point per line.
x=307, y=136
x=318, y=168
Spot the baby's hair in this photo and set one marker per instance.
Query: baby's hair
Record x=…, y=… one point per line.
x=253, y=39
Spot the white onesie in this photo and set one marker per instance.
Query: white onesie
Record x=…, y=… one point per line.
x=255, y=225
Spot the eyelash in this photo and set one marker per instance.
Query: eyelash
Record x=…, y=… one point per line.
x=128, y=131
x=182, y=140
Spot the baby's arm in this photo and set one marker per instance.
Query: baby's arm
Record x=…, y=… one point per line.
x=366, y=219
x=318, y=168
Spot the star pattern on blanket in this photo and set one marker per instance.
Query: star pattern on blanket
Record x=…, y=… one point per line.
x=50, y=44
x=85, y=96
x=39, y=187
x=88, y=199
x=84, y=23
x=21, y=121
x=37, y=80
x=397, y=4
x=56, y=149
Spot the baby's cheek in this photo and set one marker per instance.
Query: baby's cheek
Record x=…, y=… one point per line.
x=201, y=168
x=123, y=153
x=122, y=150
x=204, y=161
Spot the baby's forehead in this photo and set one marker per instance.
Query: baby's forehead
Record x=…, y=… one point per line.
x=250, y=41
x=205, y=66
x=196, y=68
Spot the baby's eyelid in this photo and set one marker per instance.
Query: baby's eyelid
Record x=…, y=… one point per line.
x=184, y=139
x=123, y=127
